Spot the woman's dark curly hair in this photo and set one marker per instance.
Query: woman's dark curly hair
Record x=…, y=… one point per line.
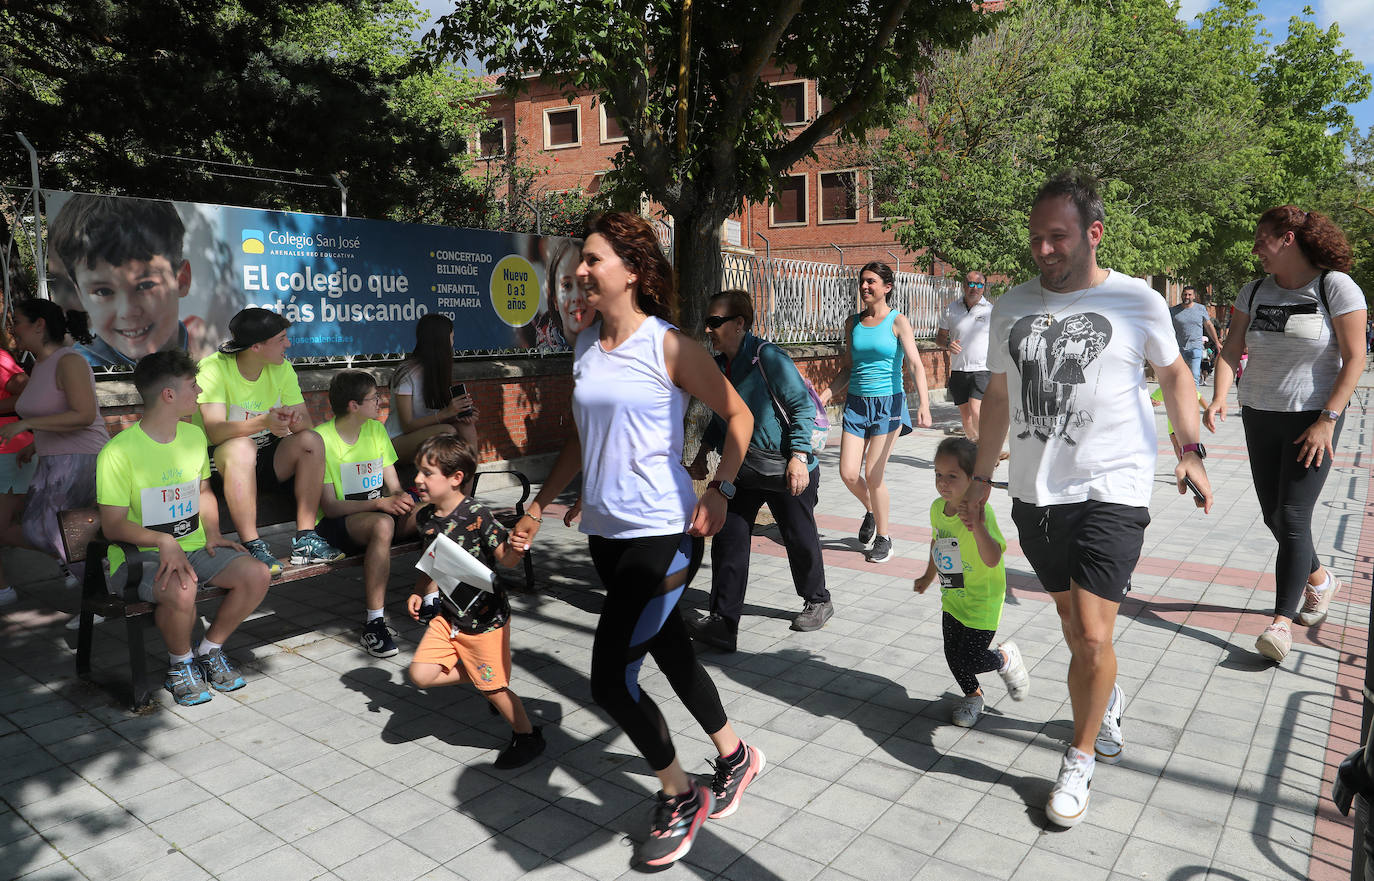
x=634, y=242
x=1320, y=240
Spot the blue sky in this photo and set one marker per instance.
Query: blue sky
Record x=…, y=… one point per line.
x=1356, y=18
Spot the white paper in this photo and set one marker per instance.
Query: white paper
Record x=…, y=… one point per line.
x=448, y=565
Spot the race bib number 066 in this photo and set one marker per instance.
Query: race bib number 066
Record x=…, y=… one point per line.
x=361, y=480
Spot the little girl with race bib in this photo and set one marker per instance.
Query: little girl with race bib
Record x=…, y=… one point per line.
x=966, y=555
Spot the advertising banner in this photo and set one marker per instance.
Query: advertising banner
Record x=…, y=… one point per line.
x=154, y=274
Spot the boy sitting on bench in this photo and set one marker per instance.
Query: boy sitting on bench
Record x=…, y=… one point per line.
x=252, y=410
x=153, y=488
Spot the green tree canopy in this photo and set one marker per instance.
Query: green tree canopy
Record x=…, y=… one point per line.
x=1192, y=131
x=106, y=89
x=734, y=145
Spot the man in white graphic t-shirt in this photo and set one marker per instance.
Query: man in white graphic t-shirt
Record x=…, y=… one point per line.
x=963, y=330
x=1069, y=349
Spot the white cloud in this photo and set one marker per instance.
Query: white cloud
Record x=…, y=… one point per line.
x=1188, y=9
x=1357, y=24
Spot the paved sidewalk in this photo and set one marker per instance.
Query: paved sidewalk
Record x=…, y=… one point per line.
x=328, y=765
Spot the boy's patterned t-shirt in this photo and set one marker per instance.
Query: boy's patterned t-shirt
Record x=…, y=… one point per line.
x=476, y=531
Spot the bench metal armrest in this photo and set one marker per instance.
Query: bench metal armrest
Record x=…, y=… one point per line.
x=97, y=586
x=519, y=476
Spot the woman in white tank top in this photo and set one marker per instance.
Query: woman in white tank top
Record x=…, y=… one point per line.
x=633, y=374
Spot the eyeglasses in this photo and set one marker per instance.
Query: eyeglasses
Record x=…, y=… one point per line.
x=974, y=285
x=370, y=398
x=714, y=322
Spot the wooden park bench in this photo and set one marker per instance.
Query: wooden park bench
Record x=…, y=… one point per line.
x=84, y=543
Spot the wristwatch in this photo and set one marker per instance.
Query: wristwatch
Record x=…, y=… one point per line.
x=1333, y=415
x=724, y=487
x=801, y=456
x=1194, y=448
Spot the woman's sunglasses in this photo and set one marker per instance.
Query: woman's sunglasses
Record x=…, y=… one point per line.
x=714, y=322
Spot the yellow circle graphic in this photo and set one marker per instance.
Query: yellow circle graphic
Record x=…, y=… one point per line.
x=515, y=290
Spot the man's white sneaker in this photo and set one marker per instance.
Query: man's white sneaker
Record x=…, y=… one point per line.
x=967, y=711
x=1316, y=602
x=1109, y=741
x=1069, y=797
x=1015, y=676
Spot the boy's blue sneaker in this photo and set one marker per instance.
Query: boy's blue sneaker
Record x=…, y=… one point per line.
x=377, y=639
x=258, y=550
x=219, y=672
x=309, y=547
x=186, y=682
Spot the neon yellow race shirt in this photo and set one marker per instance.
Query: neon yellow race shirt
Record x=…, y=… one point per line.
x=159, y=483
x=221, y=383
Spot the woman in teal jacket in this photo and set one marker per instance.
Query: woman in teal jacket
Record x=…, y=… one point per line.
x=767, y=380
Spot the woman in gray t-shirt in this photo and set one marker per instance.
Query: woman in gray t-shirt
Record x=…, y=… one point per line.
x=1303, y=326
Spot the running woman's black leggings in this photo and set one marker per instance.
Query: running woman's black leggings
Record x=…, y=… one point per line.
x=1287, y=492
x=967, y=652
x=644, y=579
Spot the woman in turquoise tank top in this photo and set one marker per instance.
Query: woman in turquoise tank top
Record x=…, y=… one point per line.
x=875, y=411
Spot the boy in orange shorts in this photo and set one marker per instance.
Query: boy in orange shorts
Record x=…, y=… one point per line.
x=467, y=643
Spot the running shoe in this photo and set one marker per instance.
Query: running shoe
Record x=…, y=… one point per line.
x=730, y=781
x=1275, y=642
x=813, y=616
x=867, y=529
x=219, y=672
x=967, y=711
x=523, y=749
x=258, y=550
x=1015, y=675
x=1069, y=797
x=1109, y=744
x=674, y=826
x=186, y=682
x=428, y=611
x=377, y=639
x=309, y=547
x=1316, y=602
x=882, y=550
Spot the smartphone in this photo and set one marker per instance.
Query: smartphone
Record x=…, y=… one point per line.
x=457, y=390
x=1198, y=497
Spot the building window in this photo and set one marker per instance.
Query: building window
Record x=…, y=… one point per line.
x=880, y=192
x=792, y=97
x=790, y=207
x=611, y=132
x=826, y=105
x=562, y=128
x=492, y=141
x=839, y=197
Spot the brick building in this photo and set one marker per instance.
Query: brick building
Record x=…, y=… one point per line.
x=824, y=204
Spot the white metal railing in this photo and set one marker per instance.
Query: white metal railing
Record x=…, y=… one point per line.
x=797, y=301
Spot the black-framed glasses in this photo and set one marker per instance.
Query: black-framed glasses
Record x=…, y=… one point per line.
x=974, y=285
x=714, y=322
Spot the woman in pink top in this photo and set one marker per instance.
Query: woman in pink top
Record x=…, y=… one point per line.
x=16, y=456
x=59, y=406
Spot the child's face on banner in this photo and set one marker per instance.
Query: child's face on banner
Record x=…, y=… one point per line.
x=134, y=306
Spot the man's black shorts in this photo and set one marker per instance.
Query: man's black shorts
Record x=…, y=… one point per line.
x=1093, y=544
x=965, y=385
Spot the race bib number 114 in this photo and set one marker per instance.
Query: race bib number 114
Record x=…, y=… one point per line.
x=173, y=509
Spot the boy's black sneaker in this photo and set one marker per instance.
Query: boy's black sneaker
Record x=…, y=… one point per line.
x=427, y=612
x=727, y=788
x=523, y=749
x=674, y=826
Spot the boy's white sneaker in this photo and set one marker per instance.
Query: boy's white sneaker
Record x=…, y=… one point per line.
x=1069, y=797
x=1110, y=744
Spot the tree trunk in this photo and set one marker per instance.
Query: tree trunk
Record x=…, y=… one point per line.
x=696, y=252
